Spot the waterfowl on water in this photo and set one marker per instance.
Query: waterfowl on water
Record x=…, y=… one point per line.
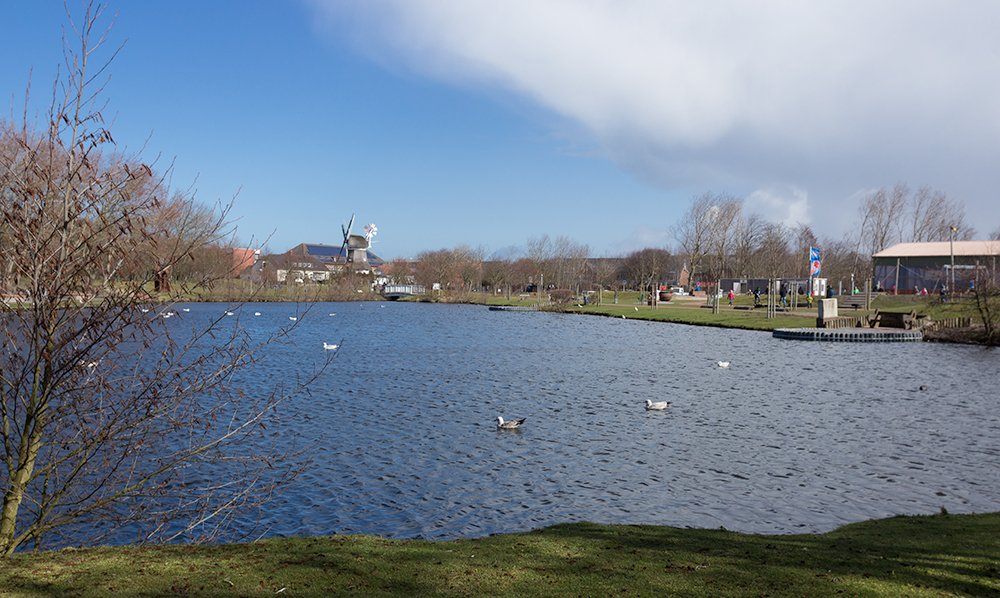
x=660, y=406
x=330, y=347
x=723, y=364
x=511, y=425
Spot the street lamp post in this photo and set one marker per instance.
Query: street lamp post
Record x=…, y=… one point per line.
x=952, y=243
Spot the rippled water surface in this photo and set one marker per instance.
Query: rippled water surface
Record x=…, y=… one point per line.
x=793, y=437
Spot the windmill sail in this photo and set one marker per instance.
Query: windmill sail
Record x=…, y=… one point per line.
x=347, y=235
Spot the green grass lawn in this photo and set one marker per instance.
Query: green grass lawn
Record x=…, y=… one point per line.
x=926, y=556
x=726, y=318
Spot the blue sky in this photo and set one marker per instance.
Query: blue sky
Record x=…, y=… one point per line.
x=487, y=123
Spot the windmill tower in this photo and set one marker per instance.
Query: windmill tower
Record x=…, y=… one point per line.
x=357, y=246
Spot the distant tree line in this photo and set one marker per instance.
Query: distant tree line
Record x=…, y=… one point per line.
x=716, y=238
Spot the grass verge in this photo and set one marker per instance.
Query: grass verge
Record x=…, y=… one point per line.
x=694, y=314
x=938, y=555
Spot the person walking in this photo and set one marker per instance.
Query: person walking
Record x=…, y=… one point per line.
x=730, y=298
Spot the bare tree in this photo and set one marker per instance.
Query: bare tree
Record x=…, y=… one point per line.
x=880, y=220
x=747, y=239
x=399, y=271
x=838, y=260
x=723, y=218
x=804, y=240
x=498, y=271
x=694, y=232
x=646, y=267
x=178, y=226
x=108, y=418
x=539, y=250
x=523, y=272
x=773, y=253
x=604, y=271
x=469, y=265
x=570, y=259
x=933, y=214
x=439, y=266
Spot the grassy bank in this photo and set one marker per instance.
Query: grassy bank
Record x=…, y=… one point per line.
x=695, y=312
x=726, y=318
x=940, y=555
x=692, y=311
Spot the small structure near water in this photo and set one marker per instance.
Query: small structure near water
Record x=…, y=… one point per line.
x=856, y=335
x=883, y=327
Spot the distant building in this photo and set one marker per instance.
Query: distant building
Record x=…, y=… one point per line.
x=243, y=259
x=336, y=257
x=290, y=268
x=928, y=265
x=313, y=262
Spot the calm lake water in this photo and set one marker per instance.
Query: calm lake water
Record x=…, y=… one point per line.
x=793, y=437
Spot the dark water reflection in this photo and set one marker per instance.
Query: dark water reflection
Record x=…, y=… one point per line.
x=793, y=437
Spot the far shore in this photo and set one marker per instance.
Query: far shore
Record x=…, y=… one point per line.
x=680, y=309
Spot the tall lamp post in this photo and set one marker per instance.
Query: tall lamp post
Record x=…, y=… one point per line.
x=952, y=242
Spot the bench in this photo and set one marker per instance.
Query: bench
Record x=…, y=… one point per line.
x=886, y=319
x=855, y=302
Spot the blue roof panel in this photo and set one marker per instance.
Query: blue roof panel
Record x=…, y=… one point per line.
x=325, y=250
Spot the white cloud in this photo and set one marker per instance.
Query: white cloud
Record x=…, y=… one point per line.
x=824, y=96
x=642, y=236
x=789, y=206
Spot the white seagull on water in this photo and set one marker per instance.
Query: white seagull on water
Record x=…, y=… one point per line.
x=329, y=347
x=723, y=364
x=511, y=425
x=651, y=406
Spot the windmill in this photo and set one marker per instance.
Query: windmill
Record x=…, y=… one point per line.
x=347, y=235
